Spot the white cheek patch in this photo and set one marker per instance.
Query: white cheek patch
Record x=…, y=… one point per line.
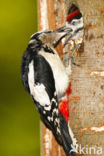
x=79, y=23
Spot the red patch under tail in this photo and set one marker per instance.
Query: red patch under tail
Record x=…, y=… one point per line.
x=63, y=104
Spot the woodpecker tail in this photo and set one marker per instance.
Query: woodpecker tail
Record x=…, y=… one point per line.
x=66, y=138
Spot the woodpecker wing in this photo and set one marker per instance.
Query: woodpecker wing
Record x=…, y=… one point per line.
x=39, y=81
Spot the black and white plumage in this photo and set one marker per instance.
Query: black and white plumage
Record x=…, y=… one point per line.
x=46, y=79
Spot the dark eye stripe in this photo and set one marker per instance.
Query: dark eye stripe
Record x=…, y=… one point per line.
x=79, y=29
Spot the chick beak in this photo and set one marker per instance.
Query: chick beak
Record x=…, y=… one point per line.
x=62, y=32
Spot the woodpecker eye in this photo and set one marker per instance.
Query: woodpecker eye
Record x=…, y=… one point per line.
x=74, y=23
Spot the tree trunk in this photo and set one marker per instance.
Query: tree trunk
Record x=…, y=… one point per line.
x=86, y=102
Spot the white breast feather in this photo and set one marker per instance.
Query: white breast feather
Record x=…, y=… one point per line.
x=60, y=74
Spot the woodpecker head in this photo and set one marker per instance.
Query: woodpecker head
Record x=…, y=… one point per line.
x=73, y=29
x=74, y=21
x=50, y=38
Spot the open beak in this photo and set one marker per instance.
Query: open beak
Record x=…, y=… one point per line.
x=63, y=31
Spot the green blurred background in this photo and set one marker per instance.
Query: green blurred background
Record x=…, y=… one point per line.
x=19, y=120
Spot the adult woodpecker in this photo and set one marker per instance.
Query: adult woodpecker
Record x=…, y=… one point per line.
x=46, y=79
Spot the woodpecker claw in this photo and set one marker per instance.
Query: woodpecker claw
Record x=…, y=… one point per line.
x=73, y=61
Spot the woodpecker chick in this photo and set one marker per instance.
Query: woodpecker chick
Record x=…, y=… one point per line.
x=74, y=21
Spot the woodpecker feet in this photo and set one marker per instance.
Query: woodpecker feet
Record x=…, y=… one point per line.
x=73, y=61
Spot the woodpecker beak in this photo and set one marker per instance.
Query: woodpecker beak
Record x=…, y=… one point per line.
x=62, y=32
x=64, y=29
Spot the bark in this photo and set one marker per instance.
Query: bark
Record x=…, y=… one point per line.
x=86, y=102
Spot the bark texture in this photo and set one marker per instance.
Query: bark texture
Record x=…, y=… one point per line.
x=86, y=102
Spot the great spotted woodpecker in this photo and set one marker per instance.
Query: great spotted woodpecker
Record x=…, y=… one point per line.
x=46, y=79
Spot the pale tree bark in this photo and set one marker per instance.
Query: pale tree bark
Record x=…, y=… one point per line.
x=86, y=102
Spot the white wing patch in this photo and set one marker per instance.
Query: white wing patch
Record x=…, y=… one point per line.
x=38, y=90
x=41, y=95
x=31, y=77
